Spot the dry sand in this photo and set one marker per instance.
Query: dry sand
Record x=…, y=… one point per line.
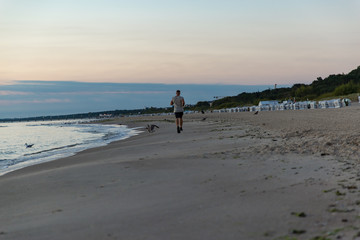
x=275, y=175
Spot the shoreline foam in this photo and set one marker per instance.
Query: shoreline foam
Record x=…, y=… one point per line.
x=48, y=152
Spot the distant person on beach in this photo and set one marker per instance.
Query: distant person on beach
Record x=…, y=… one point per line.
x=178, y=102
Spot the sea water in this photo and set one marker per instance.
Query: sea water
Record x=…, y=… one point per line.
x=52, y=140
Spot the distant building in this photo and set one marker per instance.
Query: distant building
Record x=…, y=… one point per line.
x=105, y=115
x=268, y=103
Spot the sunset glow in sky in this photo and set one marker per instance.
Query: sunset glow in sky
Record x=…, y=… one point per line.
x=172, y=41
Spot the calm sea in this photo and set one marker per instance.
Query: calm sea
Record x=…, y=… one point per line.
x=52, y=140
x=41, y=98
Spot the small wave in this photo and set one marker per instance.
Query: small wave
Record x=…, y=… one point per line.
x=52, y=149
x=7, y=152
x=5, y=163
x=42, y=125
x=110, y=135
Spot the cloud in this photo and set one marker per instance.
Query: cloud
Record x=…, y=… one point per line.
x=107, y=92
x=35, y=101
x=52, y=101
x=6, y=82
x=33, y=83
x=14, y=93
x=135, y=92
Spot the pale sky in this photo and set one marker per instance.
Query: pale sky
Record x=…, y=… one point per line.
x=178, y=41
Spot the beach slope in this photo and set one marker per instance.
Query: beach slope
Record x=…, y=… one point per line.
x=274, y=175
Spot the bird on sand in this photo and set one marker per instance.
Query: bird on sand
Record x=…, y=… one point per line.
x=151, y=128
x=256, y=112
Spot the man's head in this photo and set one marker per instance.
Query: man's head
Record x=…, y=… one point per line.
x=177, y=92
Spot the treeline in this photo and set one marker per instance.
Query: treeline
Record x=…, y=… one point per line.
x=333, y=86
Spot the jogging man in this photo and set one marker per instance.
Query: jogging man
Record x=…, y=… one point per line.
x=179, y=103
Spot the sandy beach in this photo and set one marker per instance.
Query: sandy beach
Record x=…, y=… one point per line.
x=274, y=175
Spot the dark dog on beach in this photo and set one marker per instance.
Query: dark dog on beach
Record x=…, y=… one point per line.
x=151, y=128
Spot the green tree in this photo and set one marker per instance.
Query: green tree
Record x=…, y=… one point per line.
x=346, y=89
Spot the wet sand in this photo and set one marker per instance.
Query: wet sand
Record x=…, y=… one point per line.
x=275, y=175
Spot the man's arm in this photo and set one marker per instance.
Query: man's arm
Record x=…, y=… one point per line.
x=183, y=102
x=172, y=102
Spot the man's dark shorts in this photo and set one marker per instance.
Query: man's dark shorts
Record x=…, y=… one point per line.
x=179, y=114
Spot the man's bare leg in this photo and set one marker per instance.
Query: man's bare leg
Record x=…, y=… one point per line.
x=177, y=121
